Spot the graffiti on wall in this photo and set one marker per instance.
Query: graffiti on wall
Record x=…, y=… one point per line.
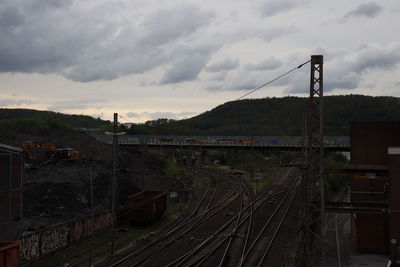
x=38, y=244
x=54, y=239
x=30, y=246
x=90, y=225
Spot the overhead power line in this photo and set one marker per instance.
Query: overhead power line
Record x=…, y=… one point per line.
x=271, y=81
x=258, y=88
x=127, y=121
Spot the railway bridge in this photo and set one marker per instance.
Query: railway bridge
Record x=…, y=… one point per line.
x=334, y=143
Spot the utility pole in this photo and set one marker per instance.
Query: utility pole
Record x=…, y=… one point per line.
x=115, y=158
x=314, y=190
x=115, y=166
x=91, y=191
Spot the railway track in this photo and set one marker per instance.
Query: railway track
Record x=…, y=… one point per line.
x=228, y=227
x=198, y=254
x=334, y=231
x=211, y=203
x=234, y=245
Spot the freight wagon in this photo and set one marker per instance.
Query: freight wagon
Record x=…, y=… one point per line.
x=9, y=254
x=247, y=141
x=226, y=140
x=147, y=206
x=207, y=141
x=190, y=140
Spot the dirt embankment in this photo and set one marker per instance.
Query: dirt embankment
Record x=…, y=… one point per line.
x=57, y=191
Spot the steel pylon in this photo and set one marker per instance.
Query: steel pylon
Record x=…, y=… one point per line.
x=313, y=179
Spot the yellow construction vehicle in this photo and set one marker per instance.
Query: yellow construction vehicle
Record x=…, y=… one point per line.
x=50, y=150
x=67, y=153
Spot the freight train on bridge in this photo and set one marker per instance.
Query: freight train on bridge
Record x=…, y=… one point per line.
x=338, y=143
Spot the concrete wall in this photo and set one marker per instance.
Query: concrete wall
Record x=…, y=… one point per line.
x=40, y=243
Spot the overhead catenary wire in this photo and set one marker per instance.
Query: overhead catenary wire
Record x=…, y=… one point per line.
x=256, y=89
x=126, y=121
x=119, y=115
x=271, y=81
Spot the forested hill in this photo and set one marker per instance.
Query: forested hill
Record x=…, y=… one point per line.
x=267, y=116
x=277, y=116
x=29, y=120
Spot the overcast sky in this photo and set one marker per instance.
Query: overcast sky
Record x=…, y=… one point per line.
x=148, y=59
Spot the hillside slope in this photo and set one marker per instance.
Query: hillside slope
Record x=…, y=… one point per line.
x=57, y=191
x=278, y=116
x=28, y=119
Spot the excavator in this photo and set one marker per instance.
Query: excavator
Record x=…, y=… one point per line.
x=51, y=151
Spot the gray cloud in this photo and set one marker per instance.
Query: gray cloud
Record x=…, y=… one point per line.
x=345, y=69
x=53, y=4
x=376, y=56
x=63, y=38
x=343, y=81
x=66, y=39
x=244, y=85
x=42, y=42
x=218, y=76
x=370, y=10
x=185, y=69
x=226, y=64
x=235, y=82
x=269, y=64
x=10, y=17
x=273, y=33
x=299, y=83
x=169, y=24
x=12, y=102
x=45, y=5
x=272, y=7
x=74, y=104
x=133, y=115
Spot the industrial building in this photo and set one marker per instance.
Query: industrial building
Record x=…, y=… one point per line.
x=11, y=180
x=375, y=185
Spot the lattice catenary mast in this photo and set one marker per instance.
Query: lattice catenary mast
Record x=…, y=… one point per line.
x=313, y=180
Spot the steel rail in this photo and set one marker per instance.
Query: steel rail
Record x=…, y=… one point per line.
x=276, y=231
x=192, y=252
x=204, y=257
x=264, y=228
x=200, y=219
x=232, y=234
x=181, y=234
x=180, y=225
x=267, y=193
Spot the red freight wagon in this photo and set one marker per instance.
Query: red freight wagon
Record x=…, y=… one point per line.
x=247, y=141
x=190, y=140
x=147, y=206
x=9, y=254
